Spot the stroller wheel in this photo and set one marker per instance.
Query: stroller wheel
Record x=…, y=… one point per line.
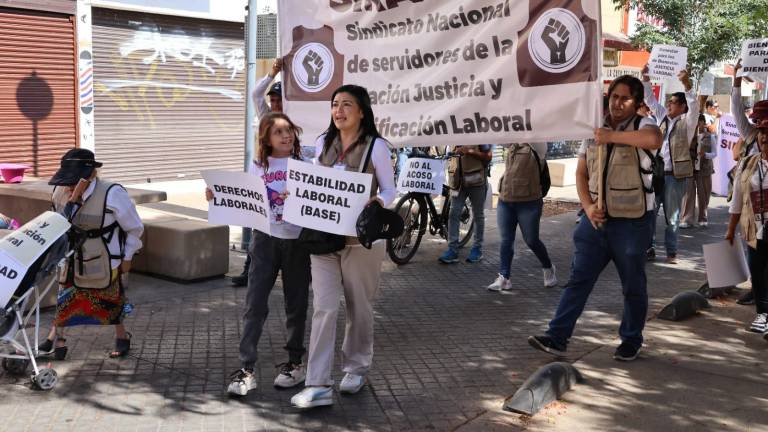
x=46, y=379
x=15, y=366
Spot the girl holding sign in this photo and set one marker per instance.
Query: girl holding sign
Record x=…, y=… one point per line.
x=270, y=254
x=350, y=142
x=749, y=209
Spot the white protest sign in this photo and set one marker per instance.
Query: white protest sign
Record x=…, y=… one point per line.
x=754, y=59
x=707, y=86
x=325, y=199
x=729, y=134
x=449, y=72
x=21, y=248
x=667, y=61
x=422, y=175
x=726, y=264
x=238, y=199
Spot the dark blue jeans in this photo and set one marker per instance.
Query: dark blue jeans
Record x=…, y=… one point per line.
x=527, y=214
x=624, y=242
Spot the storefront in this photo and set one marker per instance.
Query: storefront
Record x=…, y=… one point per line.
x=37, y=84
x=169, y=95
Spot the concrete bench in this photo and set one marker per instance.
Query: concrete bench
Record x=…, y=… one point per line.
x=181, y=248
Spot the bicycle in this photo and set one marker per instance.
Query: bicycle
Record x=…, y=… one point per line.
x=419, y=213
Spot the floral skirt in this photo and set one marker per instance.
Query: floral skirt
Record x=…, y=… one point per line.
x=83, y=306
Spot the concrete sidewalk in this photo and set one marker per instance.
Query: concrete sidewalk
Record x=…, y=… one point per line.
x=447, y=354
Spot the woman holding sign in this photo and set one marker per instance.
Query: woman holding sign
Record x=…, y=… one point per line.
x=351, y=142
x=273, y=253
x=749, y=209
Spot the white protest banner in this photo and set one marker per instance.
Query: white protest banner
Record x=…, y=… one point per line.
x=667, y=61
x=449, y=72
x=325, y=199
x=422, y=175
x=754, y=59
x=726, y=264
x=729, y=134
x=22, y=247
x=238, y=199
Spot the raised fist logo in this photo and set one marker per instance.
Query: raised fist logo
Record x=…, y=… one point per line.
x=556, y=37
x=313, y=64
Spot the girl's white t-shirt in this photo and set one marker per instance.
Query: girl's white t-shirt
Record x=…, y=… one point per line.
x=275, y=178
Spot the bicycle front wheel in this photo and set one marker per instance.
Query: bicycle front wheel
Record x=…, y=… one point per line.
x=413, y=210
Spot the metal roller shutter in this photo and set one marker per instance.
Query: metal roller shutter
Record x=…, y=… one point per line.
x=169, y=95
x=37, y=89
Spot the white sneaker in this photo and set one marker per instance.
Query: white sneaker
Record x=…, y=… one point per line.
x=760, y=324
x=550, y=278
x=351, y=383
x=684, y=225
x=243, y=381
x=291, y=375
x=501, y=283
x=703, y=224
x=312, y=397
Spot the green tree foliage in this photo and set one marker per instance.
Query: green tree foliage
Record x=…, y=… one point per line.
x=712, y=30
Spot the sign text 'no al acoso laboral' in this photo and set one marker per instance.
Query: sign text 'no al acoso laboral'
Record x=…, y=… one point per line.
x=22, y=247
x=422, y=175
x=325, y=199
x=448, y=72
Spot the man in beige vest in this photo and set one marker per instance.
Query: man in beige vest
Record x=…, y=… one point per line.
x=613, y=179
x=678, y=121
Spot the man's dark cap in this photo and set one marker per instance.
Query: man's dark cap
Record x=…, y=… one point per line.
x=276, y=89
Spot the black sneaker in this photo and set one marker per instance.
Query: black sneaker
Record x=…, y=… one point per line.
x=547, y=345
x=746, y=299
x=626, y=352
x=240, y=280
x=650, y=254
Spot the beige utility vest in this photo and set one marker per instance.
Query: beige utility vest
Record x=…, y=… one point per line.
x=749, y=142
x=92, y=262
x=353, y=161
x=623, y=188
x=747, y=219
x=521, y=180
x=679, y=147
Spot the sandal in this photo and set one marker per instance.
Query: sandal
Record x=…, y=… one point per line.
x=46, y=348
x=122, y=346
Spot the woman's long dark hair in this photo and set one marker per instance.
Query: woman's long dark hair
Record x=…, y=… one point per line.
x=265, y=130
x=367, y=125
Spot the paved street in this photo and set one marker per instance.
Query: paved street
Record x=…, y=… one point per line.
x=447, y=351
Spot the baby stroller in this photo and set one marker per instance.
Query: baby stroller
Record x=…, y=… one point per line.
x=18, y=345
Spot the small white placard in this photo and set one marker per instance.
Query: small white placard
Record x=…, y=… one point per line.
x=21, y=248
x=238, y=199
x=726, y=264
x=325, y=199
x=423, y=175
x=707, y=86
x=754, y=59
x=667, y=61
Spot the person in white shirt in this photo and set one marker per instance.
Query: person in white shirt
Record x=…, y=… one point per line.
x=106, y=233
x=700, y=186
x=749, y=210
x=678, y=121
x=271, y=253
x=354, y=270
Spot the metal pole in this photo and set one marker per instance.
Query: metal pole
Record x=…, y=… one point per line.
x=250, y=108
